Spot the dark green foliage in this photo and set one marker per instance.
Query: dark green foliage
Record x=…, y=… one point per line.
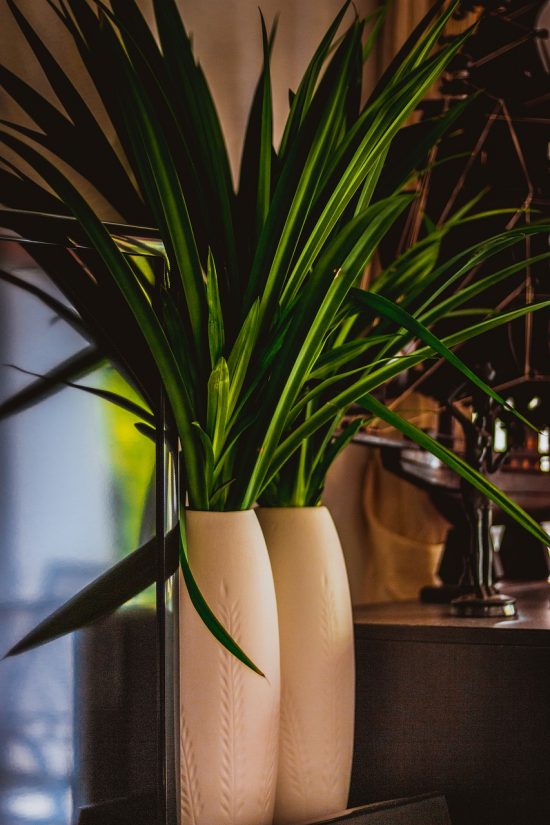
x=257, y=335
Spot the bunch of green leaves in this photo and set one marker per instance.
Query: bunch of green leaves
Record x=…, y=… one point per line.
x=248, y=324
x=384, y=332
x=242, y=266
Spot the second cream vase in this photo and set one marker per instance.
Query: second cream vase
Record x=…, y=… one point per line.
x=317, y=662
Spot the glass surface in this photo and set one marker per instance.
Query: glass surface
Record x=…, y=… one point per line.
x=78, y=715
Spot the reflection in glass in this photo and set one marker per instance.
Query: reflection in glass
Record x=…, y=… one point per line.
x=74, y=482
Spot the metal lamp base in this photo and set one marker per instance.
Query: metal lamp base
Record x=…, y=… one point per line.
x=489, y=606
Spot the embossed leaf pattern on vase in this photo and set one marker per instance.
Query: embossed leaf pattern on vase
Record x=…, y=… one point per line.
x=333, y=663
x=191, y=802
x=229, y=714
x=317, y=662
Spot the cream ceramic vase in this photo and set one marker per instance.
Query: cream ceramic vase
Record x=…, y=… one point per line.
x=317, y=662
x=229, y=715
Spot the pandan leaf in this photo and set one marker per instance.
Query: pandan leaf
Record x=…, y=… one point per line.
x=388, y=309
x=372, y=380
x=60, y=309
x=255, y=178
x=88, y=150
x=462, y=468
x=212, y=623
x=104, y=595
x=106, y=395
x=216, y=333
x=73, y=367
x=327, y=287
x=217, y=405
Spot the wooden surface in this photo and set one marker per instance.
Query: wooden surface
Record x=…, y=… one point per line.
x=434, y=623
x=457, y=705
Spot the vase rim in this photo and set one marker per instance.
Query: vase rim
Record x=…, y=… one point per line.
x=219, y=512
x=316, y=507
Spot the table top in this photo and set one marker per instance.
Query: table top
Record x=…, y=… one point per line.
x=434, y=623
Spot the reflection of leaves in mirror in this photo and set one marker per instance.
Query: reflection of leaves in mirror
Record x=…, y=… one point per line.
x=132, y=463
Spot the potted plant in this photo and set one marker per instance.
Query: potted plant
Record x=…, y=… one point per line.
x=249, y=332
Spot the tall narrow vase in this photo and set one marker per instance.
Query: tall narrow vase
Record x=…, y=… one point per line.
x=229, y=715
x=317, y=662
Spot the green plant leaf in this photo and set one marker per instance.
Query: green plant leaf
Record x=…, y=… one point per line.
x=198, y=109
x=301, y=100
x=106, y=395
x=216, y=333
x=72, y=368
x=123, y=276
x=327, y=455
x=241, y=353
x=371, y=380
x=218, y=405
x=212, y=623
x=255, y=177
x=445, y=307
x=209, y=458
x=104, y=595
x=299, y=180
x=326, y=289
x=353, y=161
x=388, y=309
x=169, y=204
x=462, y=468
x=88, y=149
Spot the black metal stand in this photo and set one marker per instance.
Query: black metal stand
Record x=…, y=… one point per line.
x=479, y=595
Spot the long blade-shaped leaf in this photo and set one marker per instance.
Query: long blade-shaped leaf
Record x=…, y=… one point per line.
x=457, y=464
x=217, y=405
x=216, y=331
x=388, y=309
x=304, y=94
x=198, y=108
x=89, y=151
x=142, y=311
x=204, y=611
x=72, y=368
x=255, y=176
x=371, y=380
x=105, y=594
x=61, y=310
x=350, y=250
x=241, y=354
x=299, y=180
x=174, y=215
x=465, y=294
